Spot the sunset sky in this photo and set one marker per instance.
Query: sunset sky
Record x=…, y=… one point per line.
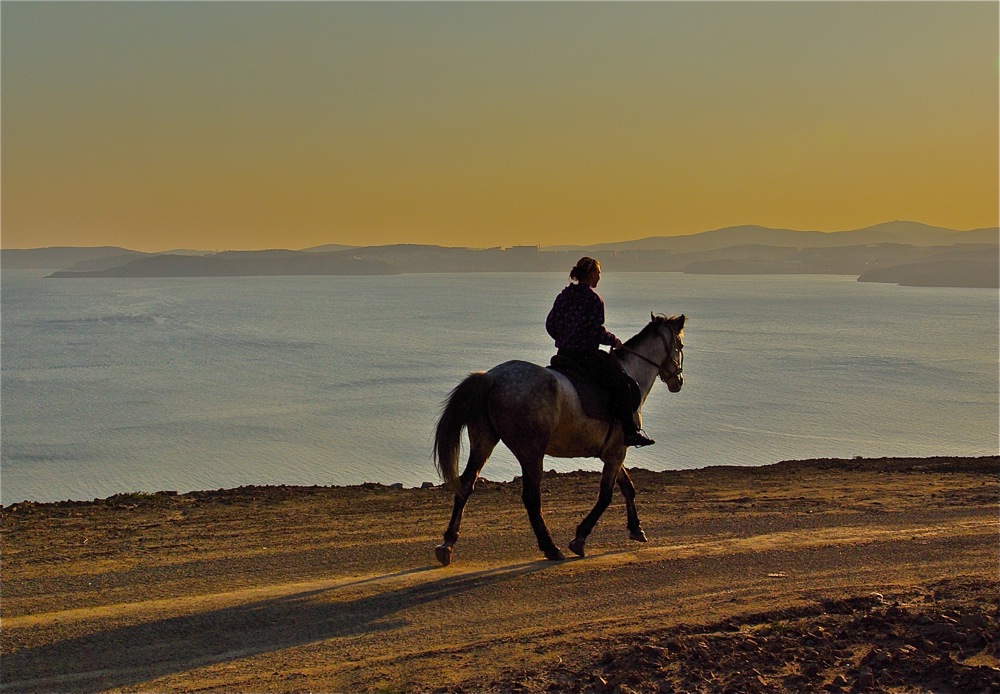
x=253, y=125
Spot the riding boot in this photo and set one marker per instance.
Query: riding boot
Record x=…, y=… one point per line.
x=634, y=435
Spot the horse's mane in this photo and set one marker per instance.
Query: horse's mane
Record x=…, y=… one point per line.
x=654, y=325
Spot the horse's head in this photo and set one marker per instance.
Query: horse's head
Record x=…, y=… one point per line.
x=671, y=330
x=666, y=332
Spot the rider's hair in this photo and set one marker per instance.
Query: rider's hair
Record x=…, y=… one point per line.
x=582, y=268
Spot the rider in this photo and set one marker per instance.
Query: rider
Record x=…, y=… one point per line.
x=576, y=323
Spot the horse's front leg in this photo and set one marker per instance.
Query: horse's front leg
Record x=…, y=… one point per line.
x=608, y=478
x=628, y=491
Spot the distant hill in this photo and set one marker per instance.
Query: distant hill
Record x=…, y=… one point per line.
x=870, y=253
x=871, y=263
x=77, y=258
x=328, y=248
x=939, y=273
x=241, y=264
x=908, y=233
x=987, y=235
x=55, y=257
x=106, y=262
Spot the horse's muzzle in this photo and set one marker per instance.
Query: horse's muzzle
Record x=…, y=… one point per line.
x=674, y=383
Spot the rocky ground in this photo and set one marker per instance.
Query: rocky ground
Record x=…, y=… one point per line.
x=942, y=639
x=831, y=575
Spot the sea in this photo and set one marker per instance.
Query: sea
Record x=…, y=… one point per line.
x=114, y=386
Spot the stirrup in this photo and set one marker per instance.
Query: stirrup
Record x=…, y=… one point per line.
x=638, y=439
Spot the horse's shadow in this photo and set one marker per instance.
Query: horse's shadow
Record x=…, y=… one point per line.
x=130, y=655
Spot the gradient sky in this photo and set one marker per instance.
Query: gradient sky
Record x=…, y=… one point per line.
x=273, y=124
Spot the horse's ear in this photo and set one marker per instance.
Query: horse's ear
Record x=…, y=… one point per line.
x=680, y=321
x=652, y=316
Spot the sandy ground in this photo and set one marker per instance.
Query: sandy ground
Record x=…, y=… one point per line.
x=850, y=575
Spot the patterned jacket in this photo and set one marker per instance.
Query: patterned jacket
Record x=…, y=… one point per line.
x=576, y=320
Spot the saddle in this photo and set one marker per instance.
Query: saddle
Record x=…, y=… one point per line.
x=596, y=400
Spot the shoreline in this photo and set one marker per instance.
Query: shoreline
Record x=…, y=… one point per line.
x=125, y=498
x=819, y=575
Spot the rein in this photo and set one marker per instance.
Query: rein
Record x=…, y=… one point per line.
x=678, y=369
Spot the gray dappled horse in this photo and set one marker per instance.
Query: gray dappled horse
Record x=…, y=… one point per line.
x=536, y=411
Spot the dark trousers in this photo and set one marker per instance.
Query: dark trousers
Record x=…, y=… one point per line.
x=605, y=370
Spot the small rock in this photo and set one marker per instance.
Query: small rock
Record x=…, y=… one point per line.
x=973, y=621
x=655, y=651
x=866, y=678
x=873, y=655
x=607, y=659
x=427, y=485
x=603, y=685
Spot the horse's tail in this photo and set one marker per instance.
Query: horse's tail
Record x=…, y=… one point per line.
x=465, y=403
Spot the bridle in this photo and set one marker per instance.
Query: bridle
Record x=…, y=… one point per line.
x=662, y=369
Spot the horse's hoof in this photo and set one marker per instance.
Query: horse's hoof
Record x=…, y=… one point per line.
x=637, y=535
x=576, y=546
x=555, y=555
x=443, y=554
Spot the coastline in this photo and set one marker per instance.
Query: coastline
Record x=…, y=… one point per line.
x=336, y=589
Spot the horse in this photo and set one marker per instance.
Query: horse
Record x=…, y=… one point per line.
x=537, y=411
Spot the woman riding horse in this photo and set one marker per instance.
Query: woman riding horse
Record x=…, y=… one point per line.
x=576, y=323
x=536, y=412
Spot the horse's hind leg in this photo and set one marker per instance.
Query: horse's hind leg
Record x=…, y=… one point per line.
x=482, y=441
x=531, y=496
x=628, y=491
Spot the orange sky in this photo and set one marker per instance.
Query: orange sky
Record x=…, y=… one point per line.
x=252, y=125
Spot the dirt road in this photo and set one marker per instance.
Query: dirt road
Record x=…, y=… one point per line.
x=861, y=574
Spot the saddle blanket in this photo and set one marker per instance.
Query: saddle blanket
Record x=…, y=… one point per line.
x=596, y=401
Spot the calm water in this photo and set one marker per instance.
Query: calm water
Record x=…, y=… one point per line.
x=116, y=385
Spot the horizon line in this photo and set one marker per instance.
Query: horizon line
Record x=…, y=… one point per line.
x=505, y=247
